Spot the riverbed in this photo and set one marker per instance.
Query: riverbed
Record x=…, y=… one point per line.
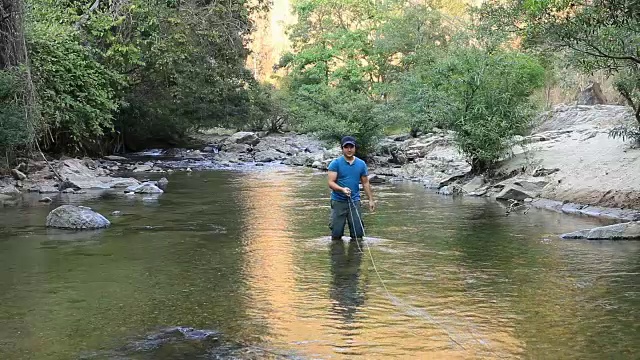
x=238, y=264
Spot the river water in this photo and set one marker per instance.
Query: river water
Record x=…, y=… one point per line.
x=238, y=265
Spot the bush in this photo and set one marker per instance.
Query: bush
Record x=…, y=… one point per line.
x=484, y=97
x=332, y=113
x=15, y=131
x=77, y=94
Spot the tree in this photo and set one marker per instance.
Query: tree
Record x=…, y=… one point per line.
x=598, y=34
x=346, y=57
x=484, y=97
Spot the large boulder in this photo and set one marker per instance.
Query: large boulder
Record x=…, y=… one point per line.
x=236, y=148
x=591, y=95
x=269, y=155
x=76, y=218
x=473, y=185
x=9, y=189
x=163, y=183
x=244, y=137
x=515, y=192
x=145, y=188
x=77, y=173
x=624, y=231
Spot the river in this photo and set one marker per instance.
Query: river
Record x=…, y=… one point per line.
x=238, y=264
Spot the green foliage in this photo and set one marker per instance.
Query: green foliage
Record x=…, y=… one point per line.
x=14, y=129
x=77, y=94
x=348, y=56
x=148, y=71
x=362, y=68
x=596, y=35
x=485, y=99
x=332, y=113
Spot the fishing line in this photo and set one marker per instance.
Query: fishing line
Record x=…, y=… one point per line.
x=394, y=299
x=412, y=310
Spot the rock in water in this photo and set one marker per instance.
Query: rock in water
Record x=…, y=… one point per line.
x=76, y=218
x=144, y=188
x=162, y=183
x=624, y=231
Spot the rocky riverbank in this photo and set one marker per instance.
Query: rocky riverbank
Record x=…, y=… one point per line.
x=569, y=164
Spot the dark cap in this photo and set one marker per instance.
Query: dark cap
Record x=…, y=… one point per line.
x=347, y=140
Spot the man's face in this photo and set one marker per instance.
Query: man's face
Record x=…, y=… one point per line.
x=348, y=150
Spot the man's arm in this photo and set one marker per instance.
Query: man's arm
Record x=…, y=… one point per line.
x=364, y=179
x=333, y=177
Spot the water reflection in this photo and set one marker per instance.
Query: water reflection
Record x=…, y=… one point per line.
x=227, y=252
x=345, y=292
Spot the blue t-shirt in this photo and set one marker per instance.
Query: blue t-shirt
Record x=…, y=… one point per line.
x=348, y=176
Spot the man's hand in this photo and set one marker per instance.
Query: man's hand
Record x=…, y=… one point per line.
x=372, y=206
x=346, y=191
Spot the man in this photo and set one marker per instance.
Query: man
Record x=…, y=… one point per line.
x=345, y=175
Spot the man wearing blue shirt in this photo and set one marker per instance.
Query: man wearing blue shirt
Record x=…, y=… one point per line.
x=345, y=175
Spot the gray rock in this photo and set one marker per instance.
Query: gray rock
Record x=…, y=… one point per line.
x=479, y=192
x=534, y=186
x=317, y=164
x=81, y=177
x=45, y=199
x=571, y=208
x=244, y=137
x=269, y=155
x=76, y=218
x=9, y=190
x=402, y=137
x=624, y=231
x=445, y=190
x=163, y=183
x=450, y=179
x=69, y=191
x=142, y=168
x=514, y=192
x=195, y=155
x=475, y=183
x=580, y=234
x=115, y=158
x=591, y=95
x=237, y=148
x=376, y=179
x=116, y=213
x=144, y=188
x=18, y=175
x=544, y=172
x=47, y=189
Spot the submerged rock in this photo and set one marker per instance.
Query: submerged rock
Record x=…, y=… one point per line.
x=76, y=218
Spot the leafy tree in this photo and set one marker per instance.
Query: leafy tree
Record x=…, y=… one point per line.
x=484, y=97
x=597, y=34
x=346, y=58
